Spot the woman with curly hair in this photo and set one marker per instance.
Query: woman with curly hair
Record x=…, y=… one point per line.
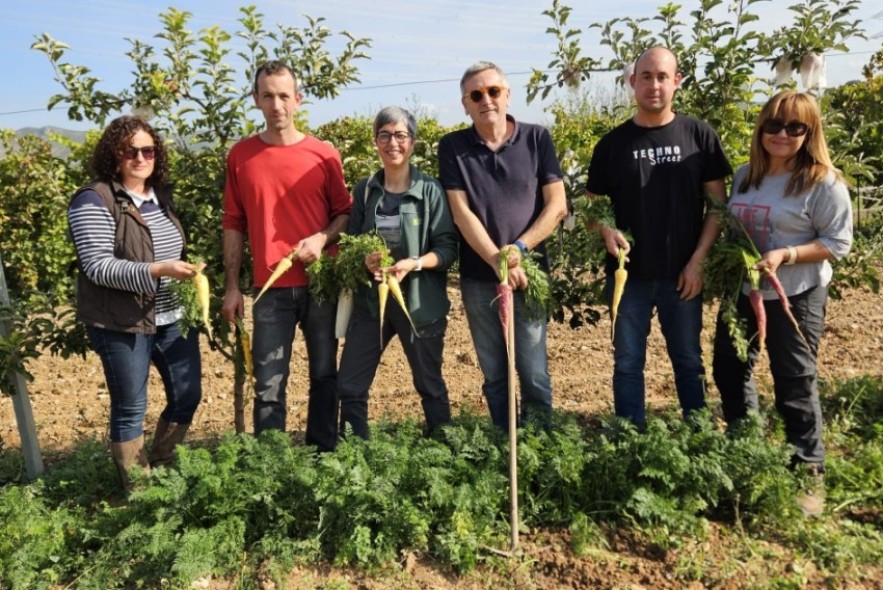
x=129, y=246
x=795, y=206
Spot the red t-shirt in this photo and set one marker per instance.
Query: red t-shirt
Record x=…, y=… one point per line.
x=280, y=195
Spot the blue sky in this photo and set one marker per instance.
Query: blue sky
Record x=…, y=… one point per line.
x=419, y=49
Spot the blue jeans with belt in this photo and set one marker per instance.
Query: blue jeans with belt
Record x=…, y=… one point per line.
x=126, y=359
x=681, y=323
x=531, y=360
x=276, y=316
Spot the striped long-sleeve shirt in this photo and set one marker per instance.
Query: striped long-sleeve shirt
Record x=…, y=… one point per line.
x=93, y=228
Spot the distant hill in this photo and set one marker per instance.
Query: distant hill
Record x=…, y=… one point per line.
x=45, y=132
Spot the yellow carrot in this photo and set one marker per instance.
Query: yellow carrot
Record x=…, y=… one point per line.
x=396, y=289
x=203, y=297
x=245, y=344
x=620, y=275
x=382, y=295
x=281, y=268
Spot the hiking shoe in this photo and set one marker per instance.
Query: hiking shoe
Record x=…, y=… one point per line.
x=811, y=500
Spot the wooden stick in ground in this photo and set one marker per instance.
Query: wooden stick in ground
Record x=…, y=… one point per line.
x=513, y=434
x=21, y=402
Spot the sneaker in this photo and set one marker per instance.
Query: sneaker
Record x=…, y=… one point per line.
x=811, y=500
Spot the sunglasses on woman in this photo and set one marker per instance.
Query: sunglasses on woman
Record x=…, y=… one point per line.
x=149, y=152
x=793, y=129
x=478, y=95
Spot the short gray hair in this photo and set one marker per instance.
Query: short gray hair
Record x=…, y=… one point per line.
x=481, y=66
x=394, y=115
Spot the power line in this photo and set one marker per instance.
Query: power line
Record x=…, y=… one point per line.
x=438, y=81
x=22, y=112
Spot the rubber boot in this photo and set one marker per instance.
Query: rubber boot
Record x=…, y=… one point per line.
x=168, y=436
x=125, y=455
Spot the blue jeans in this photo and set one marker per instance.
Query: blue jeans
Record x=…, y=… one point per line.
x=681, y=323
x=531, y=361
x=276, y=315
x=126, y=360
x=792, y=363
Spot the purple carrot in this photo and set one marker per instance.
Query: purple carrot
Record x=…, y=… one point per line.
x=786, y=304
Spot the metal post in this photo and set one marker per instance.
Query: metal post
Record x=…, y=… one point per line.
x=24, y=416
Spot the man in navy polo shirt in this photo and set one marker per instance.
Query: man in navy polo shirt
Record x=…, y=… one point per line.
x=504, y=186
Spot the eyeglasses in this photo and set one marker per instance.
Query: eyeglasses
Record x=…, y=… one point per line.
x=793, y=129
x=149, y=152
x=386, y=136
x=478, y=95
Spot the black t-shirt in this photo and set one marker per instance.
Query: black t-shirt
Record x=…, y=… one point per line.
x=389, y=223
x=504, y=187
x=654, y=177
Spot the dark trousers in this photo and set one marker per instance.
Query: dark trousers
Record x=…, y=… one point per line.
x=362, y=350
x=276, y=316
x=792, y=363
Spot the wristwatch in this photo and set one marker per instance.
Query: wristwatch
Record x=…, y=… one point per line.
x=419, y=261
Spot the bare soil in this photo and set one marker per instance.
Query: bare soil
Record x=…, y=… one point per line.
x=70, y=404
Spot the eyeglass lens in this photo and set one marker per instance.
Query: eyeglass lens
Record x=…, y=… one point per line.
x=386, y=136
x=793, y=129
x=149, y=152
x=492, y=91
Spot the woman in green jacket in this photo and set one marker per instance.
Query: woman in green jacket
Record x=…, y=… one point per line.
x=410, y=211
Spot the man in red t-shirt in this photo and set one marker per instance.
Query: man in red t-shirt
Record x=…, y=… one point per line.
x=285, y=189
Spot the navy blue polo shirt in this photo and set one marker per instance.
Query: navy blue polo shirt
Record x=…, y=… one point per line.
x=504, y=188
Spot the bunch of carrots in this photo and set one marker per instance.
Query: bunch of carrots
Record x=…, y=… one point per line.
x=504, y=295
x=389, y=284
x=537, y=295
x=620, y=276
x=599, y=210
x=195, y=297
x=733, y=260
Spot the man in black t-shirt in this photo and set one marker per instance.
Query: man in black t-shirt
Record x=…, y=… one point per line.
x=657, y=168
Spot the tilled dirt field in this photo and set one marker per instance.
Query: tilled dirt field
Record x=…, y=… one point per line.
x=70, y=404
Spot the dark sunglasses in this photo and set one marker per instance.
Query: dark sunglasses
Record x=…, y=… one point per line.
x=793, y=129
x=149, y=152
x=478, y=95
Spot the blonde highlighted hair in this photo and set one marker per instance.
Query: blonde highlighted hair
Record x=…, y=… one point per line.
x=812, y=163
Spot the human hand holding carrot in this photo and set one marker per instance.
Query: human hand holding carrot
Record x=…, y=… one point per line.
x=772, y=260
x=233, y=307
x=374, y=264
x=614, y=241
x=509, y=257
x=399, y=270
x=310, y=248
x=176, y=269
